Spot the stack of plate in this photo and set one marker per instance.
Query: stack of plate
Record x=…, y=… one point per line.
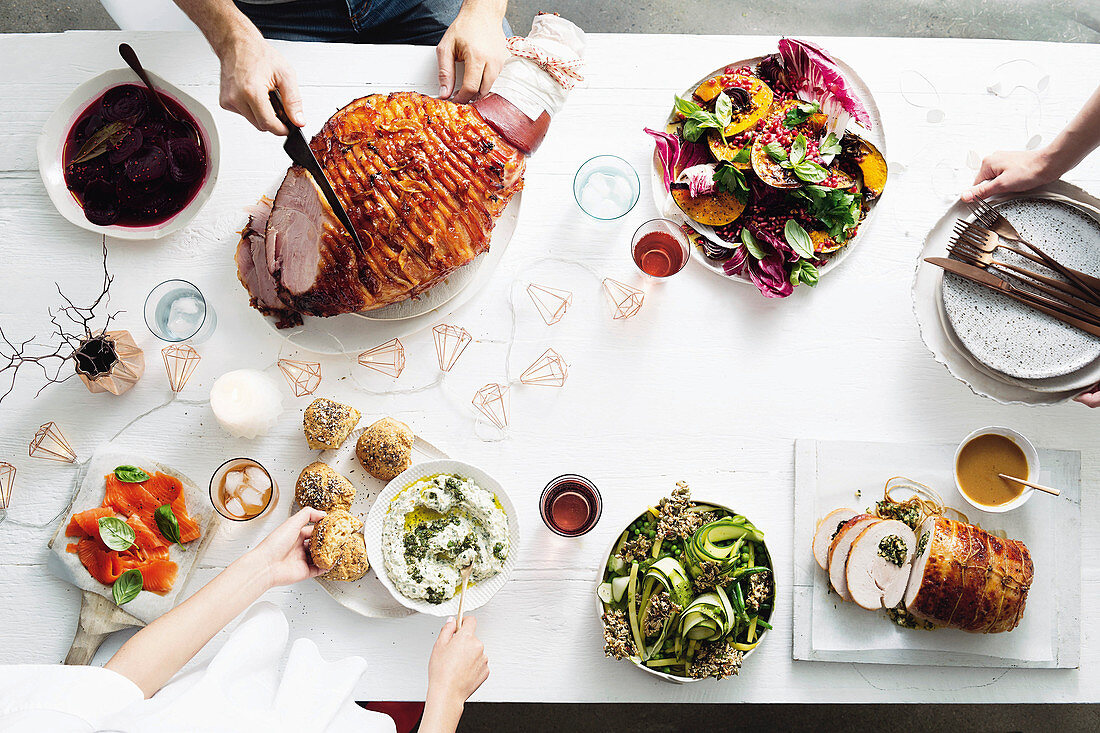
x=1001, y=348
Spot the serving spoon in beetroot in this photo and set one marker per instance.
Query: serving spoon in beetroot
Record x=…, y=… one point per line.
x=130, y=57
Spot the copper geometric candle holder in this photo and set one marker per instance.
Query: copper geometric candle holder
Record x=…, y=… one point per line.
x=492, y=402
x=450, y=342
x=549, y=370
x=50, y=443
x=304, y=377
x=550, y=302
x=388, y=358
x=626, y=300
x=123, y=366
x=7, y=481
x=181, y=361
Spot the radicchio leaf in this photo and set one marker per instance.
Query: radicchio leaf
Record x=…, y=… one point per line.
x=125, y=102
x=769, y=275
x=186, y=161
x=816, y=77
x=699, y=178
x=676, y=154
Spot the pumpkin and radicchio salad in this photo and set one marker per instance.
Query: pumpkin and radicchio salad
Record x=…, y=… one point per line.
x=762, y=163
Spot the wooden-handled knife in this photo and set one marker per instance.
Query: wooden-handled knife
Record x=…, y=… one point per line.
x=1052, y=308
x=299, y=151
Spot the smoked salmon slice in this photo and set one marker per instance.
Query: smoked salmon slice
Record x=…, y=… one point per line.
x=87, y=523
x=137, y=504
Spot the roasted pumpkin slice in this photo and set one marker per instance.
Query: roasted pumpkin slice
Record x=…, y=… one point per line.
x=871, y=164
x=769, y=171
x=724, y=152
x=823, y=243
x=843, y=179
x=714, y=209
x=760, y=101
x=711, y=88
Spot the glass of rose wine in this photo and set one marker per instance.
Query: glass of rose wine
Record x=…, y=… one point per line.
x=659, y=248
x=570, y=505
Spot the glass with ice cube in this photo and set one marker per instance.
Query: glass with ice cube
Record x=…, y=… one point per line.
x=176, y=311
x=242, y=489
x=606, y=187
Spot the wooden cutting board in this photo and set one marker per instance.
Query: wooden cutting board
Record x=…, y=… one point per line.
x=99, y=616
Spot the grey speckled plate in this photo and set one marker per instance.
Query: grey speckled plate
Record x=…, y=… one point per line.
x=1008, y=336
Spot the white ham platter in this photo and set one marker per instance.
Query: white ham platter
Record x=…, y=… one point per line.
x=827, y=476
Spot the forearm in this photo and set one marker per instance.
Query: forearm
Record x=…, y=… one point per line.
x=1079, y=138
x=441, y=714
x=158, y=651
x=220, y=21
x=492, y=8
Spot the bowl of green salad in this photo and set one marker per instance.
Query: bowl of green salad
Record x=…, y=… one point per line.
x=687, y=591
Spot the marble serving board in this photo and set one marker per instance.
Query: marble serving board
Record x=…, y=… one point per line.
x=828, y=475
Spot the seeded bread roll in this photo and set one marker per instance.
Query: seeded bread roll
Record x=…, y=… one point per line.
x=352, y=562
x=320, y=487
x=330, y=535
x=328, y=423
x=385, y=448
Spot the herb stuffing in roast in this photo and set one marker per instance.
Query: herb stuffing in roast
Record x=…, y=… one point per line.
x=617, y=642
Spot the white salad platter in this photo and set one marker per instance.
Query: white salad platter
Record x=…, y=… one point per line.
x=477, y=595
x=670, y=210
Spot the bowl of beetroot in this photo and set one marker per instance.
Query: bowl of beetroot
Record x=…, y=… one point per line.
x=118, y=161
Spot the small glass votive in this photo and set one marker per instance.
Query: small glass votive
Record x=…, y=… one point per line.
x=242, y=489
x=570, y=505
x=659, y=248
x=606, y=187
x=176, y=311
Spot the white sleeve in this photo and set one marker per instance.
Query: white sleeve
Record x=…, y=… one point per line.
x=54, y=697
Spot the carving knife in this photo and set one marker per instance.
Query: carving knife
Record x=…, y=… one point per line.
x=299, y=151
x=1052, y=308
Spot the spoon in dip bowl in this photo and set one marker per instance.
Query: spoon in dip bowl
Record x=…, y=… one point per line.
x=465, y=572
x=1040, y=487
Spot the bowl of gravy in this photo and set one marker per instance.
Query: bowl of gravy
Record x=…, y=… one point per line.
x=990, y=451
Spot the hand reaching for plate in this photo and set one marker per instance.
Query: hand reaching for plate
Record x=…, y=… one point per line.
x=1089, y=398
x=1008, y=171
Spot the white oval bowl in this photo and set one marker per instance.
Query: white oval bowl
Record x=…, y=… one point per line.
x=51, y=144
x=1030, y=454
x=476, y=595
x=677, y=679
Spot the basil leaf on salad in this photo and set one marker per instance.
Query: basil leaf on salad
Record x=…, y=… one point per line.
x=732, y=180
x=810, y=172
x=131, y=474
x=168, y=525
x=829, y=146
x=751, y=244
x=116, y=534
x=798, y=150
x=697, y=119
x=804, y=272
x=723, y=109
x=799, y=239
x=686, y=107
x=835, y=208
x=775, y=151
x=744, y=155
x=799, y=114
x=127, y=587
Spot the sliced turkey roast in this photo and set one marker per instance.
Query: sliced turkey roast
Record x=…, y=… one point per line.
x=879, y=562
x=826, y=530
x=839, y=548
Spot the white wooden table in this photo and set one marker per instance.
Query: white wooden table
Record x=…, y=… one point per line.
x=710, y=383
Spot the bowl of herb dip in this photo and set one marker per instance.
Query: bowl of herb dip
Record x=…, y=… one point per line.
x=430, y=522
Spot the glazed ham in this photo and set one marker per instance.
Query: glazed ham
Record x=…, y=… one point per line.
x=968, y=579
x=423, y=181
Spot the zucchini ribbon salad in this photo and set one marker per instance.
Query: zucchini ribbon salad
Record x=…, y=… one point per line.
x=762, y=164
x=688, y=589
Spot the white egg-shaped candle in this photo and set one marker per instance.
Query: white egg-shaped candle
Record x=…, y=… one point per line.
x=246, y=402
